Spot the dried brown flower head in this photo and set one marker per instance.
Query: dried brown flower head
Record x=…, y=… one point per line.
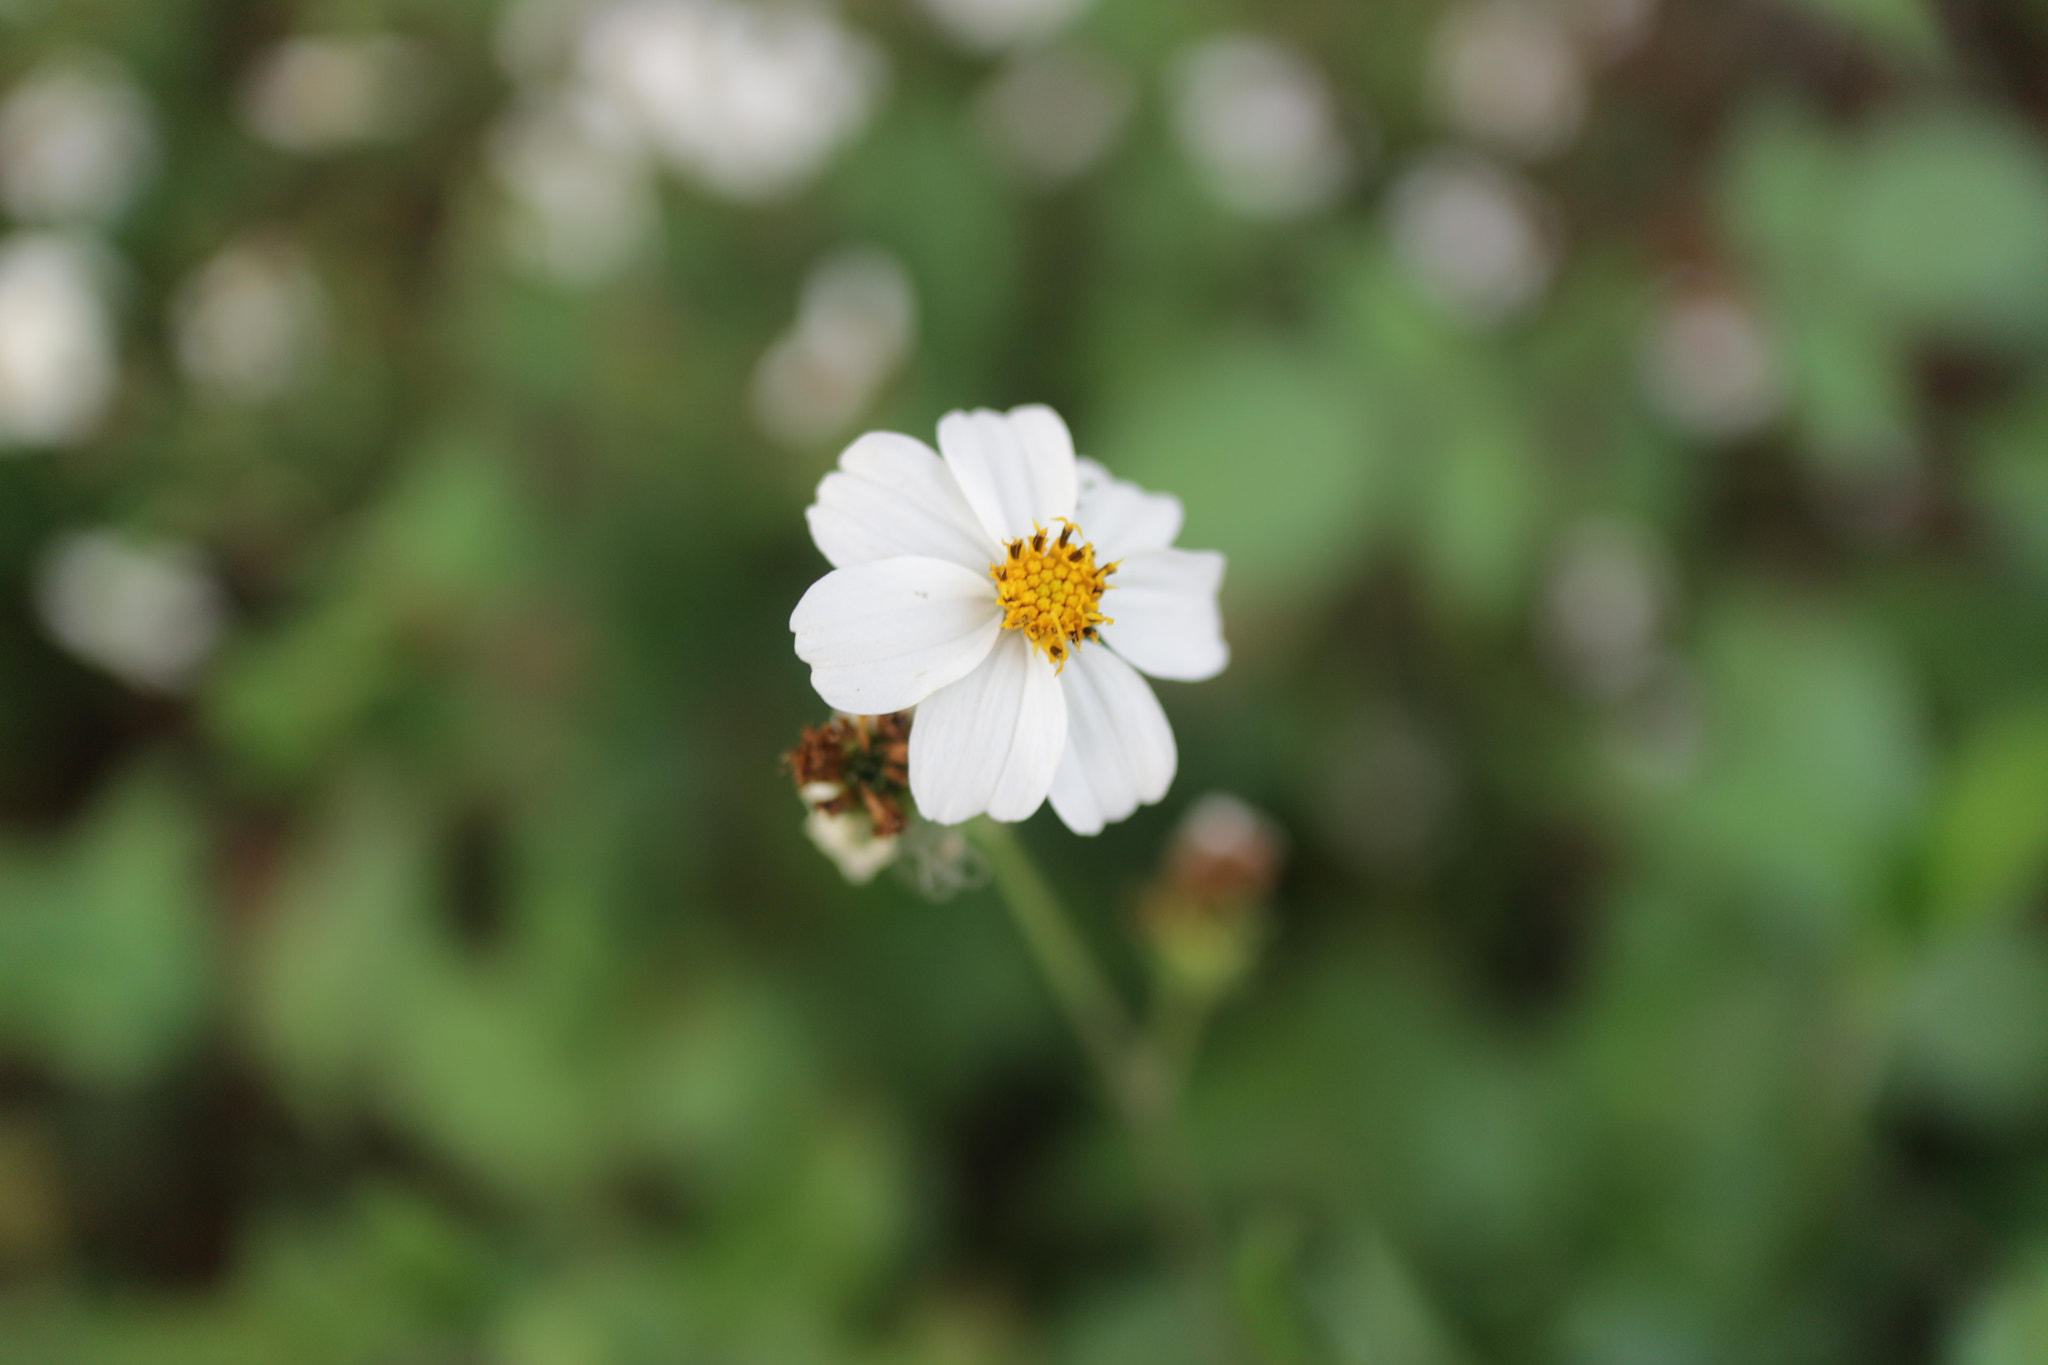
x=856, y=763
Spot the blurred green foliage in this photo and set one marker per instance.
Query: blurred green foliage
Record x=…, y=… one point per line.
x=1656, y=700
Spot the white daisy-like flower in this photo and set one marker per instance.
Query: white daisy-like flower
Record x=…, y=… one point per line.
x=1012, y=594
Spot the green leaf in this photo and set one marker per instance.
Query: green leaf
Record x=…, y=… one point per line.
x=1270, y=451
x=1945, y=222
x=1905, y=28
x=106, y=947
x=1990, y=836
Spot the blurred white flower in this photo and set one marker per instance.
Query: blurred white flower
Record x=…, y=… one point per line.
x=986, y=25
x=1051, y=116
x=57, y=362
x=76, y=142
x=534, y=37
x=1258, y=121
x=748, y=100
x=1605, y=607
x=1473, y=235
x=250, y=322
x=325, y=94
x=1710, y=365
x=855, y=326
x=146, y=611
x=1505, y=72
x=583, y=202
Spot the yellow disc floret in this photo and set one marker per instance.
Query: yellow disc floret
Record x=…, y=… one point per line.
x=1052, y=591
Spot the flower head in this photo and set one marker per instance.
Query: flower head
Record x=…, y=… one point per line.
x=1013, y=594
x=850, y=774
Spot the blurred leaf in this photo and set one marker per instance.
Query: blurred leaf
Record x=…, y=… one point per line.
x=1375, y=1312
x=345, y=942
x=1815, y=760
x=1945, y=221
x=1269, y=451
x=1974, y=1027
x=1784, y=177
x=2008, y=1325
x=1906, y=28
x=2010, y=479
x=1990, y=834
x=1482, y=494
x=1854, y=387
x=106, y=944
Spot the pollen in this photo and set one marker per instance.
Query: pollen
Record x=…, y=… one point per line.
x=1051, y=589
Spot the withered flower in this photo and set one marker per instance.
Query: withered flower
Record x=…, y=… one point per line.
x=853, y=775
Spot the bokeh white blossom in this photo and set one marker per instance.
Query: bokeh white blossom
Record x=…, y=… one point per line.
x=58, y=366
x=1259, y=123
x=329, y=93
x=250, y=323
x=1606, y=606
x=1711, y=366
x=988, y=25
x=1050, y=117
x=145, y=610
x=856, y=324
x=1507, y=73
x=1473, y=235
x=77, y=142
x=582, y=196
x=747, y=101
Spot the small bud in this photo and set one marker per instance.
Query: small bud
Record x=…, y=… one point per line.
x=1205, y=913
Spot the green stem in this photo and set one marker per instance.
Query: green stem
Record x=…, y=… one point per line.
x=1139, y=1083
x=1180, y=1014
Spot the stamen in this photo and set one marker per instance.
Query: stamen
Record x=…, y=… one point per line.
x=1052, y=593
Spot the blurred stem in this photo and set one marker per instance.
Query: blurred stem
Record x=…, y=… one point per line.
x=1180, y=1015
x=1141, y=1084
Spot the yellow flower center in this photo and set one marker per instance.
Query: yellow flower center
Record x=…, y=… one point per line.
x=1051, y=590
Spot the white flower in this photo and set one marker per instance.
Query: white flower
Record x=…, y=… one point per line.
x=990, y=25
x=76, y=142
x=57, y=363
x=313, y=95
x=1011, y=593
x=750, y=101
x=1473, y=234
x=855, y=327
x=250, y=322
x=145, y=610
x=1259, y=123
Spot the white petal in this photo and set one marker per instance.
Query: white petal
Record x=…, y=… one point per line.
x=893, y=495
x=1166, y=621
x=1120, y=518
x=1016, y=468
x=991, y=741
x=884, y=636
x=1120, y=752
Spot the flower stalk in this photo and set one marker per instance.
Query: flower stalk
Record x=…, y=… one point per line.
x=1136, y=1078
